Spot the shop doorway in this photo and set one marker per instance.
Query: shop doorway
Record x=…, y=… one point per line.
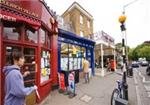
x=30, y=54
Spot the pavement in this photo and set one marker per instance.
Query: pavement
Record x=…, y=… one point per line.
x=97, y=92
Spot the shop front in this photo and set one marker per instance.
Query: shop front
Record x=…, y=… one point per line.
x=34, y=33
x=71, y=50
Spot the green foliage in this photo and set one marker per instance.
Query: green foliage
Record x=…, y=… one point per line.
x=141, y=51
x=119, y=47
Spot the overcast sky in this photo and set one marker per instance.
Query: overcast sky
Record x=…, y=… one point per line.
x=106, y=14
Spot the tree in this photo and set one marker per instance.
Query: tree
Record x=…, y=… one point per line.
x=141, y=51
x=119, y=47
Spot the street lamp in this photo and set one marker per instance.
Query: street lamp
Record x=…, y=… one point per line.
x=122, y=20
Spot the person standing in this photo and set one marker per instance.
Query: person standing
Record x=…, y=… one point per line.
x=86, y=70
x=15, y=91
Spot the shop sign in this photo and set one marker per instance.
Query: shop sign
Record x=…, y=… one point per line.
x=17, y=7
x=61, y=81
x=71, y=80
x=5, y=17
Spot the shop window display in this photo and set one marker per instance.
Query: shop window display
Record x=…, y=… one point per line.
x=70, y=57
x=12, y=33
x=43, y=36
x=29, y=65
x=45, y=66
x=10, y=50
x=64, y=57
x=31, y=35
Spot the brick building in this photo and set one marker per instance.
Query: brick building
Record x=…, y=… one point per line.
x=80, y=20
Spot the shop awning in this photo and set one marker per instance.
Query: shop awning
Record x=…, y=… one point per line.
x=9, y=16
x=72, y=36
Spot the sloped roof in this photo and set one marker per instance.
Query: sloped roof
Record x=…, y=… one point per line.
x=79, y=7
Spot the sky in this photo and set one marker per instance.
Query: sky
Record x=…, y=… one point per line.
x=106, y=14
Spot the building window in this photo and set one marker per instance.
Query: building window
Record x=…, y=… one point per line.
x=12, y=32
x=81, y=34
x=10, y=51
x=43, y=36
x=71, y=57
x=45, y=66
x=88, y=24
x=31, y=35
x=81, y=19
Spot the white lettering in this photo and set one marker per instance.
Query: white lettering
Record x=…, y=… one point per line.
x=9, y=18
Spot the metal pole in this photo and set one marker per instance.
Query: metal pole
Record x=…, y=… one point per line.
x=124, y=78
x=102, y=61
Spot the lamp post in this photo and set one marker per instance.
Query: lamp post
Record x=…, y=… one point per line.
x=122, y=20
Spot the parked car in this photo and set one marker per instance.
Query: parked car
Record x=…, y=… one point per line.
x=148, y=69
x=135, y=64
x=144, y=63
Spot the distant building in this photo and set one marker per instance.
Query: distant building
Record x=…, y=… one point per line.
x=147, y=42
x=80, y=21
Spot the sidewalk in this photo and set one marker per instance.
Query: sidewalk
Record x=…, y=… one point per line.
x=97, y=92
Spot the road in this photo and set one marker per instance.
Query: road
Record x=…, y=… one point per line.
x=143, y=85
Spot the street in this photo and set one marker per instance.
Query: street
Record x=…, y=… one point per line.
x=143, y=84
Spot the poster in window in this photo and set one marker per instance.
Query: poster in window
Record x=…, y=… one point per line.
x=64, y=64
x=45, y=66
x=71, y=64
x=79, y=63
x=75, y=63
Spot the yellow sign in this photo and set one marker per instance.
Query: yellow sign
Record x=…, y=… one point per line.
x=74, y=50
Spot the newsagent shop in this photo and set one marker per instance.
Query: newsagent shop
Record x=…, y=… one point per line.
x=33, y=31
x=71, y=50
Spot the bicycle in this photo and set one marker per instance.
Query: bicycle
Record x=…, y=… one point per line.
x=117, y=92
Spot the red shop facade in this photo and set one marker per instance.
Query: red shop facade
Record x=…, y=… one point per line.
x=28, y=26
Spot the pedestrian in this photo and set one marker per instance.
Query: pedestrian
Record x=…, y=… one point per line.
x=86, y=70
x=108, y=64
x=96, y=64
x=15, y=91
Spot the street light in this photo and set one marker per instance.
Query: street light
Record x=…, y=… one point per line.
x=122, y=20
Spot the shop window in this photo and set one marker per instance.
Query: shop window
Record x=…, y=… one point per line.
x=64, y=56
x=29, y=65
x=10, y=50
x=31, y=35
x=12, y=33
x=43, y=36
x=45, y=66
x=70, y=57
